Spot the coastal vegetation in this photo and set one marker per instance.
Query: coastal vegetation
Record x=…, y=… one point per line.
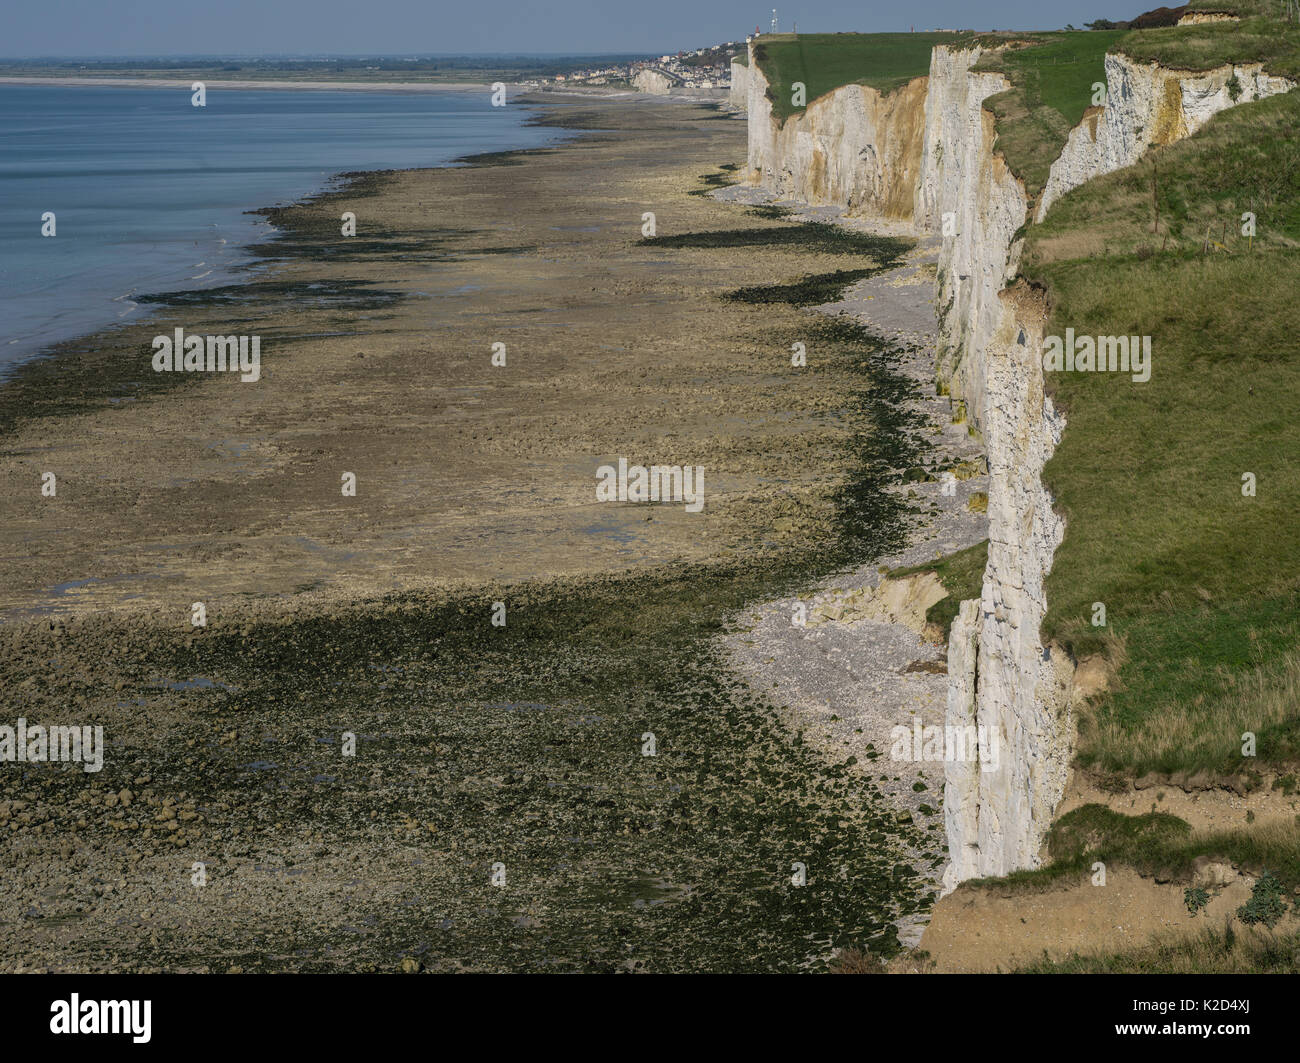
x=811, y=236
x=1053, y=76
x=812, y=289
x=962, y=575
x=524, y=746
x=1270, y=41
x=1157, y=844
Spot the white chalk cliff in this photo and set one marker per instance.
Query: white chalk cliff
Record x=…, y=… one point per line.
x=927, y=152
x=738, y=93
x=852, y=147
x=1146, y=107
x=655, y=82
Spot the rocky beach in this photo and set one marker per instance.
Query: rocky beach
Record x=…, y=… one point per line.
x=468, y=717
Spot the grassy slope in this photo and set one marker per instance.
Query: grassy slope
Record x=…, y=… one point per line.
x=962, y=576
x=1245, y=159
x=1052, y=76
x=825, y=61
x=1201, y=584
x=1216, y=951
x=1158, y=844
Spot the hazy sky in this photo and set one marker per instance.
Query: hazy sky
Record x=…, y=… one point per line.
x=396, y=27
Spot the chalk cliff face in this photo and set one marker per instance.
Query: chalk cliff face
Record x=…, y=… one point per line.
x=973, y=201
x=1146, y=107
x=653, y=82
x=928, y=152
x=1001, y=680
x=852, y=147
x=738, y=94
x=1010, y=685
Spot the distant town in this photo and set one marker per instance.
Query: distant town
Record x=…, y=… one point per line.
x=704, y=68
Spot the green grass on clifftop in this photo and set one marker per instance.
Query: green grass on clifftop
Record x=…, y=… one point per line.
x=1053, y=74
x=1052, y=77
x=1245, y=159
x=1274, y=43
x=825, y=61
x=1058, y=70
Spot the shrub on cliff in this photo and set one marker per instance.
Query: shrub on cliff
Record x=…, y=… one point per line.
x=1158, y=17
x=1266, y=904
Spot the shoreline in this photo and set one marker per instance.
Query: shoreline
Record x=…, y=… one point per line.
x=333, y=183
x=521, y=88
x=250, y=83
x=289, y=255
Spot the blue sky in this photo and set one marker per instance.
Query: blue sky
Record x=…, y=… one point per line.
x=395, y=27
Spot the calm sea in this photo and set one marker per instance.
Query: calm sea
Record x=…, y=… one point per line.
x=149, y=192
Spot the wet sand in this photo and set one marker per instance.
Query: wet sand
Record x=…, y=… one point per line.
x=376, y=360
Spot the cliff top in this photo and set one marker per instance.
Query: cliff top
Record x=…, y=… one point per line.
x=1052, y=78
x=824, y=62
x=1274, y=43
x=1198, y=577
x=1053, y=75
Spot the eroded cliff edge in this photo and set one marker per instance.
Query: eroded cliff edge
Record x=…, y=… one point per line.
x=927, y=154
